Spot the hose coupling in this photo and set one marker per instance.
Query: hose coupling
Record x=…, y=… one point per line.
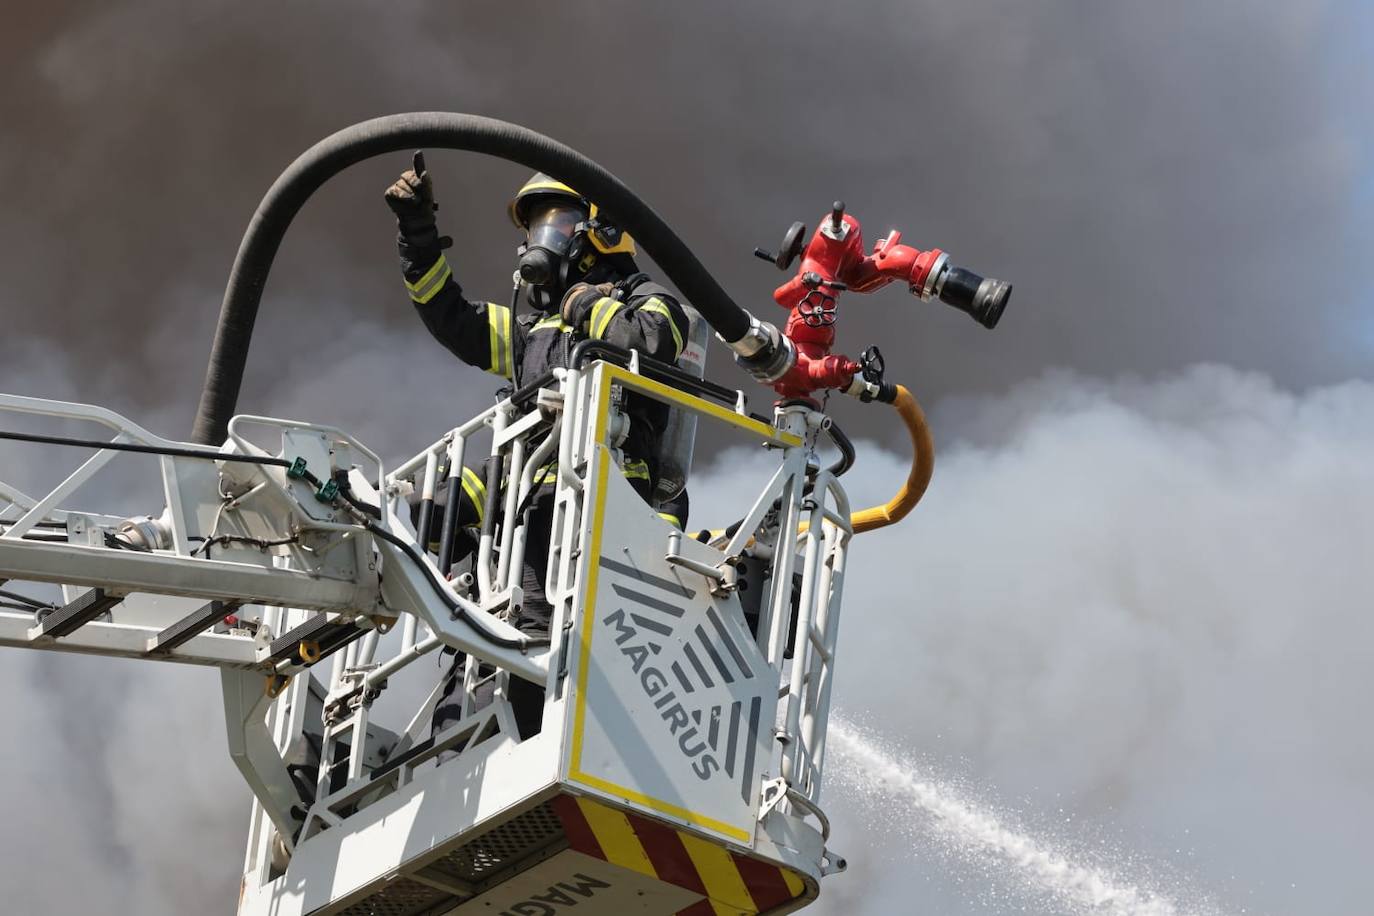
x=764, y=352
x=147, y=533
x=934, y=279
x=869, y=391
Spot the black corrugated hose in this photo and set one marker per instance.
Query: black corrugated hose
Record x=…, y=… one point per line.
x=437, y=130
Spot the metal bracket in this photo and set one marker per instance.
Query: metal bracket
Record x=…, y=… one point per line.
x=505, y=604
x=771, y=795
x=723, y=578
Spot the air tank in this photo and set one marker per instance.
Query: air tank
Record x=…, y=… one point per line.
x=679, y=437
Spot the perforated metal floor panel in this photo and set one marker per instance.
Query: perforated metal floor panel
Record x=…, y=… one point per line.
x=473, y=863
x=403, y=897
x=504, y=846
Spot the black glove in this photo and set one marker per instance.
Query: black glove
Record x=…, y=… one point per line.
x=411, y=198
x=578, y=301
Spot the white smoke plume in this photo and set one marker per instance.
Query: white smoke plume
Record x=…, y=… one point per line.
x=1130, y=613
x=1141, y=606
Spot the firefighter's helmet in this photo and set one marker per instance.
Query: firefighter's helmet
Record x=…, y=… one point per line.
x=605, y=237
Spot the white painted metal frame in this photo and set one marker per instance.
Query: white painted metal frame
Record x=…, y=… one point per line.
x=283, y=591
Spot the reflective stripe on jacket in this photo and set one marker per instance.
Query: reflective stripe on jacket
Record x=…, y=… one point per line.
x=484, y=335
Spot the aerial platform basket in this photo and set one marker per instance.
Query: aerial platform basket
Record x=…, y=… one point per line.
x=686, y=683
x=644, y=788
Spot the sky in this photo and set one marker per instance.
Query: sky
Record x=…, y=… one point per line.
x=1135, y=589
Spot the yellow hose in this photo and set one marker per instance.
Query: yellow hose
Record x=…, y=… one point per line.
x=917, y=479
x=922, y=465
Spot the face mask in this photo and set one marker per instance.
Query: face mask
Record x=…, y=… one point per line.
x=544, y=256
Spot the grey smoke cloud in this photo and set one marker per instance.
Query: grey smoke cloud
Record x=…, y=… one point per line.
x=1134, y=619
x=1133, y=598
x=1140, y=606
x=1165, y=183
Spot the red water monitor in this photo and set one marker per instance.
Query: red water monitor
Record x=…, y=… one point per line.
x=833, y=261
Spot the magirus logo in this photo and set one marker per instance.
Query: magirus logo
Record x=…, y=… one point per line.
x=695, y=672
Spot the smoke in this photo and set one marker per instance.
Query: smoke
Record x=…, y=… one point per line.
x=1127, y=610
x=1104, y=157
x=1133, y=612
x=120, y=794
x=1128, y=599
x=121, y=797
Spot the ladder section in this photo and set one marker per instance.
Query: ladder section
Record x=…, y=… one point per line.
x=191, y=626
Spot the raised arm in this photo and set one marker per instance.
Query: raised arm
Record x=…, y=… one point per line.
x=479, y=333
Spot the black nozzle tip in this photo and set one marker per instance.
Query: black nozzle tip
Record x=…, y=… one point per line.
x=990, y=301
x=983, y=298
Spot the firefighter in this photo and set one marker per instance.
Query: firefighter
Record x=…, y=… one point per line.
x=580, y=281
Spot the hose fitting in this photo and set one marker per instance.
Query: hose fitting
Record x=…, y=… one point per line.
x=764, y=351
x=147, y=533
x=868, y=391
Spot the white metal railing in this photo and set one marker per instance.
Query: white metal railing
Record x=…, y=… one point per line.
x=795, y=526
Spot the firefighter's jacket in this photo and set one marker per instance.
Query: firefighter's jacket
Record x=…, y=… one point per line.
x=484, y=335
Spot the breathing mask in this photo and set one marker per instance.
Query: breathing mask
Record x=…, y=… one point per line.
x=546, y=259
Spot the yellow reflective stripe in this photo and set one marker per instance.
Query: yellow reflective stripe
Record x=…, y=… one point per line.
x=658, y=306
x=494, y=341
x=671, y=519
x=602, y=313
x=636, y=469
x=476, y=491
x=498, y=326
x=430, y=274
x=553, y=321
x=795, y=885
x=425, y=288
x=616, y=837
x=510, y=344
x=724, y=885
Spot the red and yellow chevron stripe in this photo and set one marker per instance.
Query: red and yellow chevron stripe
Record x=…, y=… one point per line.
x=733, y=884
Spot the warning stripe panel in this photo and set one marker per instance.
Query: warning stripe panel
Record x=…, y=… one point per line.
x=616, y=837
x=724, y=885
x=731, y=883
x=579, y=832
x=765, y=882
x=665, y=850
x=700, y=908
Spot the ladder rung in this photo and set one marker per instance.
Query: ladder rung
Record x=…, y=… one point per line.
x=191, y=626
x=84, y=608
x=326, y=636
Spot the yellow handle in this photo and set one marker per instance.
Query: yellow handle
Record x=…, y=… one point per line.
x=922, y=465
